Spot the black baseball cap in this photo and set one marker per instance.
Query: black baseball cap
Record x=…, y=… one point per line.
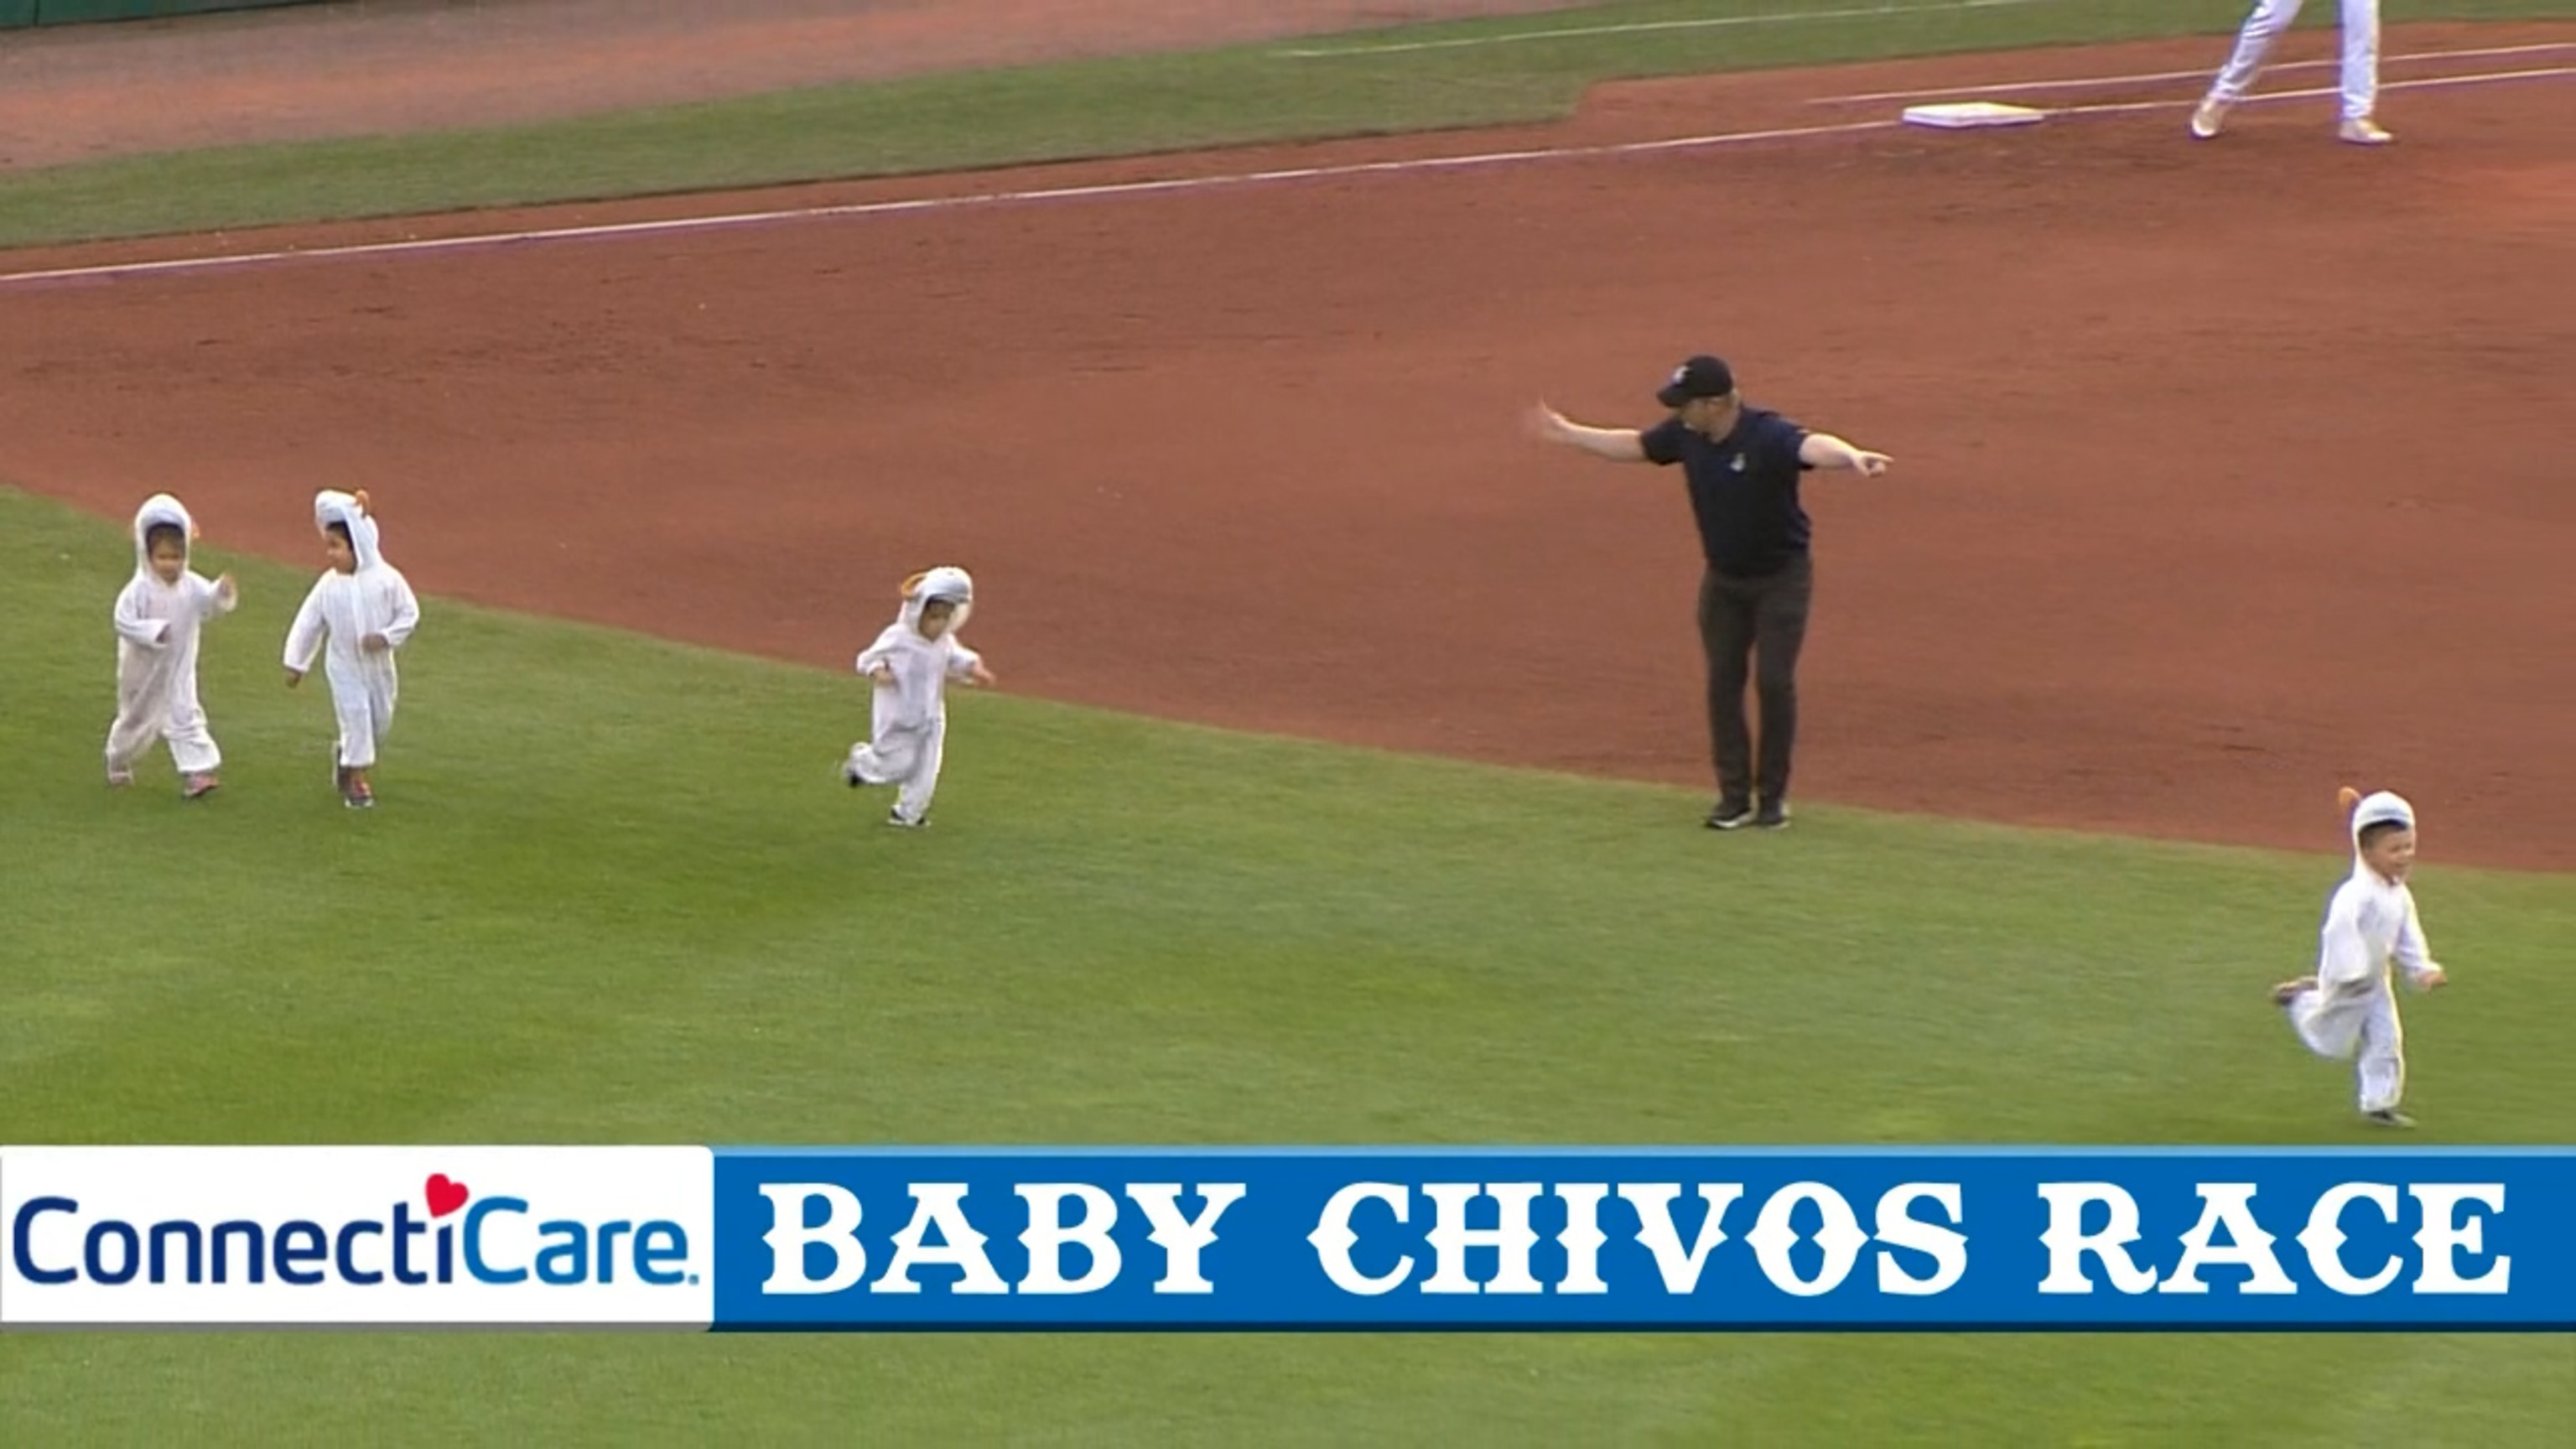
x=1702, y=376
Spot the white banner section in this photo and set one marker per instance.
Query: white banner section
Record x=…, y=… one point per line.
x=378, y=1236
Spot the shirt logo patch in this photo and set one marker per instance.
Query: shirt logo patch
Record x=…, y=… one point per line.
x=1738, y=464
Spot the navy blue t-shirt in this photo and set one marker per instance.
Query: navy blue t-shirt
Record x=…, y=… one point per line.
x=1743, y=489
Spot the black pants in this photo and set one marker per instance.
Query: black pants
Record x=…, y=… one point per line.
x=1764, y=619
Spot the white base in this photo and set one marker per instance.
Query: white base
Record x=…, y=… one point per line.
x=1958, y=115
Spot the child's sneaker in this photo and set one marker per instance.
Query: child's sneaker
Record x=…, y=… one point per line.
x=898, y=819
x=198, y=787
x=359, y=796
x=2289, y=991
x=2389, y=1117
x=119, y=779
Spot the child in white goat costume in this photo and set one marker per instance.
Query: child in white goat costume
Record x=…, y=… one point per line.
x=911, y=664
x=2349, y=1008
x=364, y=609
x=158, y=619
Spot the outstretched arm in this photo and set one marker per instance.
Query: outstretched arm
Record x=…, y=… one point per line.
x=1824, y=450
x=1619, y=445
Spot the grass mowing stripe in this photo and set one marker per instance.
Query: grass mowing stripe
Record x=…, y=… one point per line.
x=614, y=894
x=989, y=118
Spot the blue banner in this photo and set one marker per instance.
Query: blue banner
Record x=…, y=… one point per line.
x=1641, y=1238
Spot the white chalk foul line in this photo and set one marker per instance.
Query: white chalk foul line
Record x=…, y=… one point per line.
x=1643, y=27
x=2204, y=73
x=670, y=226
x=676, y=225
x=2108, y=108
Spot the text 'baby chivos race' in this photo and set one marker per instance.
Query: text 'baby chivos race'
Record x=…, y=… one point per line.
x=516, y=1236
x=1682, y=1238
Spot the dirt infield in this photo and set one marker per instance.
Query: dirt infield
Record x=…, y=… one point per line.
x=2227, y=472
x=368, y=67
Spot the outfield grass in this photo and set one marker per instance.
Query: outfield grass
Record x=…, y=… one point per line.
x=1077, y=109
x=614, y=893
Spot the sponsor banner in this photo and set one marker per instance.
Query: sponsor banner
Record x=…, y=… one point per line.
x=386, y=1236
x=1704, y=1239
x=1690, y=1239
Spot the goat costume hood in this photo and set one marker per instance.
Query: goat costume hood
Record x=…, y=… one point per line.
x=350, y=511
x=2384, y=807
x=945, y=582
x=158, y=509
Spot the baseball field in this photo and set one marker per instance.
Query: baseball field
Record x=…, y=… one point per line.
x=1346, y=780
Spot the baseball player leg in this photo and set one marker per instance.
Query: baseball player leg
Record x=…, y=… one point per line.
x=1780, y=632
x=2361, y=73
x=1726, y=635
x=2382, y=1069
x=2254, y=43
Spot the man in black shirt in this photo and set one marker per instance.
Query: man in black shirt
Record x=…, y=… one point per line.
x=1742, y=465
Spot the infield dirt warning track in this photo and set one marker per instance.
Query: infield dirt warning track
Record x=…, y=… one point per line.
x=2226, y=473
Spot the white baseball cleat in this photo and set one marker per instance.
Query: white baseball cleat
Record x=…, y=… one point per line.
x=2208, y=118
x=2363, y=131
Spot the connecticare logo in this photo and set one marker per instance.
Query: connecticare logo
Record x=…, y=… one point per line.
x=356, y=1235
x=361, y=1251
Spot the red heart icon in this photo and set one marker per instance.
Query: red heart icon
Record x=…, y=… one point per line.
x=445, y=1196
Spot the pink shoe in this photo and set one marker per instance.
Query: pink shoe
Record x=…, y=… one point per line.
x=198, y=787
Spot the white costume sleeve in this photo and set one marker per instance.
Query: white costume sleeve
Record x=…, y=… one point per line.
x=2414, y=955
x=130, y=623
x=961, y=660
x=406, y=608
x=2344, y=962
x=304, y=637
x=209, y=598
x=880, y=652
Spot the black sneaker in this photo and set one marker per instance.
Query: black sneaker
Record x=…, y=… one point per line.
x=896, y=818
x=2388, y=1117
x=1773, y=816
x=1730, y=815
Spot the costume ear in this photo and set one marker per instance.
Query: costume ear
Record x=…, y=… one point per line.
x=2347, y=797
x=363, y=505
x=912, y=584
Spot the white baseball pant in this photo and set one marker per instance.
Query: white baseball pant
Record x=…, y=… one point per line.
x=2264, y=27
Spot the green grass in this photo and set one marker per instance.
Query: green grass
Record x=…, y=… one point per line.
x=1077, y=109
x=614, y=894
